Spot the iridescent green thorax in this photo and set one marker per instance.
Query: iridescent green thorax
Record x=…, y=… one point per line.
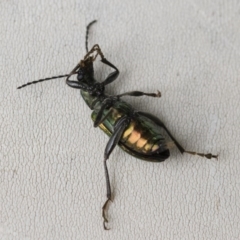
x=119, y=109
x=89, y=99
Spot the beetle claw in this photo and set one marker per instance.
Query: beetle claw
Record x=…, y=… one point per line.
x=158, y=94
x=105, y=220
x=105, y=228
x=104, y=217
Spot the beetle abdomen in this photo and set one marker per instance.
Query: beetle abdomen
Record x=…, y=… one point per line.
x=142, y=138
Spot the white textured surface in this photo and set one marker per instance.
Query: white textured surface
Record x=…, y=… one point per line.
x=52, y=178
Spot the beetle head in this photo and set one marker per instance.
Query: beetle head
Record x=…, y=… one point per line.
x=85, y=72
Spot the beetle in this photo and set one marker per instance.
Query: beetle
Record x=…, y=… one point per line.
x=137, y=133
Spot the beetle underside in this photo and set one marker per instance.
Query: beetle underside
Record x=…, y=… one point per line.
x=115, y=117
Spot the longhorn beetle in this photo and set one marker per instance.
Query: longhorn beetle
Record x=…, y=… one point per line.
x=137, y=133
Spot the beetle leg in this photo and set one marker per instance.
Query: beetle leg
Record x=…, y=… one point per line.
x=78, y=85
x=208, y=155
x=138, y=94
x=113, y=141
x=99, y=118
x=180, y=148
x=112, y=76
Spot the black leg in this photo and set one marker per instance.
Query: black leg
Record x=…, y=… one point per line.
x=106, y=104
x=113, y=141
x=102, y=119
x=139, y=94
x=180, y=148
x=78, y=85
x=112, y=76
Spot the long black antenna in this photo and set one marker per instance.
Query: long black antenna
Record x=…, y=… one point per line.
x=41, y=80
x=87, y=31
x=60, y=76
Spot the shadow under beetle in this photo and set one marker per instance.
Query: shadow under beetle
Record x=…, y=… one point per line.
x=137, y=133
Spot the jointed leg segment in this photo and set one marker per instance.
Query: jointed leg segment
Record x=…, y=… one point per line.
x=180, y=148
x=113, y=141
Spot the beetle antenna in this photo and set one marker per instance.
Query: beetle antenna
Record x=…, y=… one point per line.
x=61, y=76
x=87, y=31
x=41, y=80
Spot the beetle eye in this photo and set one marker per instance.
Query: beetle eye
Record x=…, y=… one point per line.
x=80, y=75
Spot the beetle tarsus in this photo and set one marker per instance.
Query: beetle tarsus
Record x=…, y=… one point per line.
x=208, y=155
x=104, y=209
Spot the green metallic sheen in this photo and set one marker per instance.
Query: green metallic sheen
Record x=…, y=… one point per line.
x=143, y=126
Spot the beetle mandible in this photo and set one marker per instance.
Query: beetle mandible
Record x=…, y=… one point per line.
x=137, y=133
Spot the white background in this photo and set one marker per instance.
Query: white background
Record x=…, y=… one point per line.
x=51, y=157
